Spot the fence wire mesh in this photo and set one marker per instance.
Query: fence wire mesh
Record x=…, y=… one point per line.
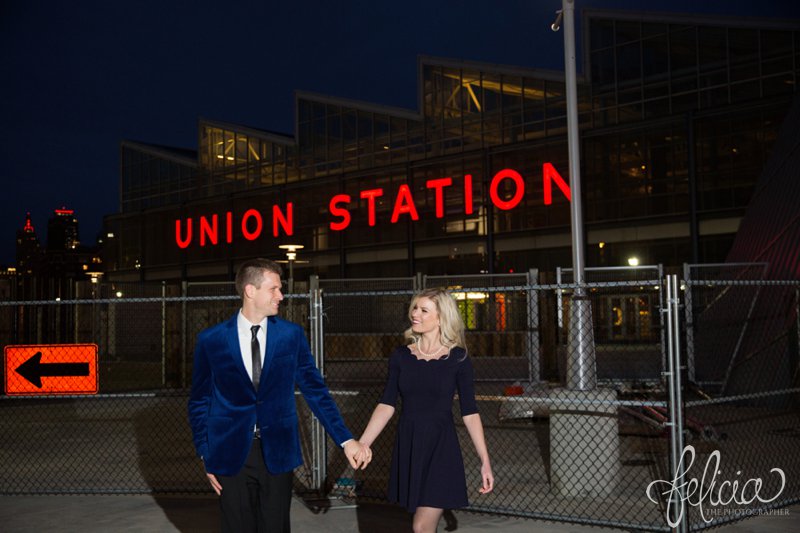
x=577, y=424
x=742, y=395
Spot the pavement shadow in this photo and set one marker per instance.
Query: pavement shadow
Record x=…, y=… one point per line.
x=196, y=514
x=386, y=518
x=169, y=466
x=382, y=518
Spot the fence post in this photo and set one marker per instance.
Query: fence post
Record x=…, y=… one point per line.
x=319, y=455
x=532, y=345
x=163, y=333
x=797, y=315
x=687, y=313
x=675, y=402
x=184, y=331
x=75, y=315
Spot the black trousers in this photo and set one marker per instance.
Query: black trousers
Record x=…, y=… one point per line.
x=255, y=501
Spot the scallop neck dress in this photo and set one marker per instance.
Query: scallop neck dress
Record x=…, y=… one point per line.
x=427, y=467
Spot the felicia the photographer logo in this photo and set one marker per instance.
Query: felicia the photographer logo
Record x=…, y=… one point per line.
x=710, y=490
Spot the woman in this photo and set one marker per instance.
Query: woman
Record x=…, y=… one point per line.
x=427, y=472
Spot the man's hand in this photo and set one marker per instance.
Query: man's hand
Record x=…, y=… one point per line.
x=358, y=454
x=214, y=483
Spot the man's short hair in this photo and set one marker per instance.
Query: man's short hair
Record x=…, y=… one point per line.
x=251, y=272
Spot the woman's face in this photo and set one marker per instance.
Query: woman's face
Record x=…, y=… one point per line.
x=424, y=316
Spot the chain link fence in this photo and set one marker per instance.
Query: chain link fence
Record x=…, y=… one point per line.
x=578, y=388
x=743, y=386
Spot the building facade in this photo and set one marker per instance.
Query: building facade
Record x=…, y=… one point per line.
x=678, y=116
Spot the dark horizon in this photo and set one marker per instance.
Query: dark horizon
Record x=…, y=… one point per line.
x=88, y=76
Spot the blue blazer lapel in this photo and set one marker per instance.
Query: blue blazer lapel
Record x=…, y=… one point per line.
x=274, y=331
x=232, y=335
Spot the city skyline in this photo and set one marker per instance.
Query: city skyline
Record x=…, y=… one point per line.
x=91, y=76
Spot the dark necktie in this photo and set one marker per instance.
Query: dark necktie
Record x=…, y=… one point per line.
x=255, y=348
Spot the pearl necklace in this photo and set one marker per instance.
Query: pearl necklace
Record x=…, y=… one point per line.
x=419, y=350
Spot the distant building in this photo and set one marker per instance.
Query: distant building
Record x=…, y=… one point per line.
x=51, y=271
x=28, y=247
x=677, y=113
x=62, y=230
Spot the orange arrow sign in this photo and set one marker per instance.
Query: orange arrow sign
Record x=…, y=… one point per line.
x=47, y=369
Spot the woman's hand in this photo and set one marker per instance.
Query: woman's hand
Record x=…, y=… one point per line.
x=364, y=455
x=487, y=478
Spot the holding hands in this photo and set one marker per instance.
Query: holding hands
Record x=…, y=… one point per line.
x=359, y=455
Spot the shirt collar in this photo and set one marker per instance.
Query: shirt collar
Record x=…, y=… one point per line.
x=243, y=324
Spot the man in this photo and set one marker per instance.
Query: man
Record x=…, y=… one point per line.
x=242, y=406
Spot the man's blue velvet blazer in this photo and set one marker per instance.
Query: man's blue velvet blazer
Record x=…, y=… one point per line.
x=224, y=407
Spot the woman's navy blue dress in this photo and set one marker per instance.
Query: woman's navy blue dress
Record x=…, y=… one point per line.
x=427, y=467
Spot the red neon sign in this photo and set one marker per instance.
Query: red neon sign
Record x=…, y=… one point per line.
x=519, y=183
x=251, y=224
x=438, y=186
x=370, y=197
x=404, y=204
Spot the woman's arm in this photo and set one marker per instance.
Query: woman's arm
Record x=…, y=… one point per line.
x=475, y=429
x=380, y=417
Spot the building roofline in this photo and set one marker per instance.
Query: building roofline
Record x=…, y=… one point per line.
x=399, y=112
x=178, y=155
x=695, y=19
x=280, y=138
x=512, y=70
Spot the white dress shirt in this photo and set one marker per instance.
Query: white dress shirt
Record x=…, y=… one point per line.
x=245, y=336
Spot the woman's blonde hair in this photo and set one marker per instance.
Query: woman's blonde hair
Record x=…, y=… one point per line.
x=451, y=327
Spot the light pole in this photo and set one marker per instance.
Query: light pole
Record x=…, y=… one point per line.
x=581, y=361
x=581, y=413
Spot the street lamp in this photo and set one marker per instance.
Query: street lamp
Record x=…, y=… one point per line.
x=291, y=257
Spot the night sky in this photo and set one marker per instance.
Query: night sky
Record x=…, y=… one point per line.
x=81, y=76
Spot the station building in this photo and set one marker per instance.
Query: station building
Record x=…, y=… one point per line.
x=678, y=115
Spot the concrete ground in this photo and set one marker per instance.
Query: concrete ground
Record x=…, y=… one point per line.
x=123, y=514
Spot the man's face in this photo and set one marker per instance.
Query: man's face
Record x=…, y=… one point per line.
x=267, y=296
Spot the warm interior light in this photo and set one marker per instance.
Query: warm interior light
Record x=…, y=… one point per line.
x=633, y=261
x=470, y=295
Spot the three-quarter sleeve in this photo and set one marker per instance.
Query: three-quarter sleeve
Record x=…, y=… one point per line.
x=466, y=387
x=391, y=389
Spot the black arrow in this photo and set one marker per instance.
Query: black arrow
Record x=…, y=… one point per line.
x=33, y=369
